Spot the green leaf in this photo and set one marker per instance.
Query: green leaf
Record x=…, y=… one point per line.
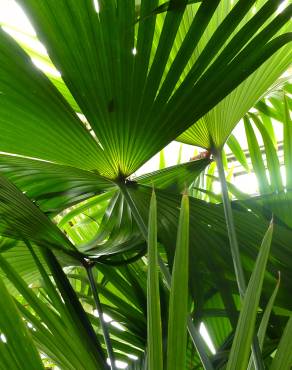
x=207, y=227
x=178, y=301
x=92, y=43
x=75, y=310
x=235, y=147
x=279, y=205
x=283, y=357
x=240, y=349
x=40, y=123
x=19, y=257
x=218, y=326
x=175, y=178
x=256, y=157
x=232, y=189
x=154, y=333
x=139, y=216
x=189, y=35
x=22, y=219
x=267, y=121
x=162, y=163
x=287, y=144
x=122, y=93
x=53, y=186
x=265, y=321
x=172, y=6
x=17, y=350
x=273, y=163
x=179, y=154
x=269, y=111
x=100, y=201
x=117, y=231
x=216, y=126
x=58, y=319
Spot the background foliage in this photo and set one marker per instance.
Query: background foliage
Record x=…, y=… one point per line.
x=99, y=265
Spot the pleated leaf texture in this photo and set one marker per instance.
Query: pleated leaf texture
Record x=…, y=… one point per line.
x=139, y=73
x=212, y=130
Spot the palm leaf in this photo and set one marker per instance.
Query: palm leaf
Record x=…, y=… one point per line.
x=175, y=178
x=22, y=219
x=207, y=226
x=16, y=346
x=55, y=331
x=42, y=122
x=121, y=101
x=240, y=349
x=214, y=128
x=53, y=186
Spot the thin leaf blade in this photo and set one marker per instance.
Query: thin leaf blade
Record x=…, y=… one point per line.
x=154, y=333
x=245, y=328
x=177, y=324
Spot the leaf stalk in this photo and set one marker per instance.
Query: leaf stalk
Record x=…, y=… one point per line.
x=240, y=278
x=103, y=324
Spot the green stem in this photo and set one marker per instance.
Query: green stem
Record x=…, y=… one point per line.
x=77, y=315
x=230, y=227
x=193, y=331
x=257, y=358
x=103, y=324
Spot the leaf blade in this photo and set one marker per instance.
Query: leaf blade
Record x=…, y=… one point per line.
x=240, y=350
x=16, y=346
x=154, y=332
x=177, y=322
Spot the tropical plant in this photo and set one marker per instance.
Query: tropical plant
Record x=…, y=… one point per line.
x=99, y=265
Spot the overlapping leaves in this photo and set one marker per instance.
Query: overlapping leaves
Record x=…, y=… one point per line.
x=135, y=102
x=139, y=85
